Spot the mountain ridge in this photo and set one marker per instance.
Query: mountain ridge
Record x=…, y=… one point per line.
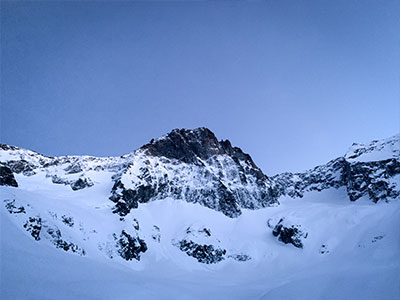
x=211, y=211
x=154, y=172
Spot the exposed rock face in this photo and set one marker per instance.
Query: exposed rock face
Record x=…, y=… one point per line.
x=44, y=229
x=67, y=220
x=357, y=171
x=377, y=179
x=12, y=208
x=21, y=166
x=7, y=177
x=81, y=183
x=289, y=234
x=130, y=247
x=59, y=242
x=76, y=185
x=57, y=180
x=191, y=145
x=199, y=243
x=185, y=145
x=34, y=226
x=374, y=179
x=6, y=147
x=127, y=199
x=73, y=168
x=206, y=254
x=193, y=165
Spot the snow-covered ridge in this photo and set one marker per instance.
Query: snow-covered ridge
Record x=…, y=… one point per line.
x=371, y=170
x=189, y=202
x=30, y=160
x=192, y=165
x=375, y=151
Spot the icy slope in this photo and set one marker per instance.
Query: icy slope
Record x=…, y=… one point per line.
x=190, y=217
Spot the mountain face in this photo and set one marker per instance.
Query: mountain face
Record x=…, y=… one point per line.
x=194, y=166
x=189, y=200
x=191, y=165
x=365, y=170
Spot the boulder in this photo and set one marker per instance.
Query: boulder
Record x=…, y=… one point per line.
x=289, y=234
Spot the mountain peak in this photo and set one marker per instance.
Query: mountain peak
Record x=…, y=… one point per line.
x=190, y=145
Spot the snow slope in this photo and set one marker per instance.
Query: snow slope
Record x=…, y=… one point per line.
x=61, y=243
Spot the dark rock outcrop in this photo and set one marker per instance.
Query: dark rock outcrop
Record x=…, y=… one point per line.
x=190, y=145
x=59, y=242
x=58, y=180
x=289, y=234
x=130, y=247
x=194, y=166
x=7, y=177
x=67, y=220
x=207, y=254
x=127, y=199
x=21, y=166
x=34, y=227
x=73, y=168
x=240, y=257
x=6, y=147
x=373, y=179
x=12, y=208
x=81, y=183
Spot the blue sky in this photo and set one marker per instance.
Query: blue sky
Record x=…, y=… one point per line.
x=293, y=83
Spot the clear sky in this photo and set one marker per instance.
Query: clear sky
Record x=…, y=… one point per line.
x=293, y=83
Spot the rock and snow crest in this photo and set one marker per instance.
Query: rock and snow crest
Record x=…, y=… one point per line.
x=186, y=202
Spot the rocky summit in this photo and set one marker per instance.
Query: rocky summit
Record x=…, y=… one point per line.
x=188, y=205
x=192, y=165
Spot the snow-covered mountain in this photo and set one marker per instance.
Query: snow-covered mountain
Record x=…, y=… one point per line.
x=187, y=216
x=194, y=166
x=365, y=170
